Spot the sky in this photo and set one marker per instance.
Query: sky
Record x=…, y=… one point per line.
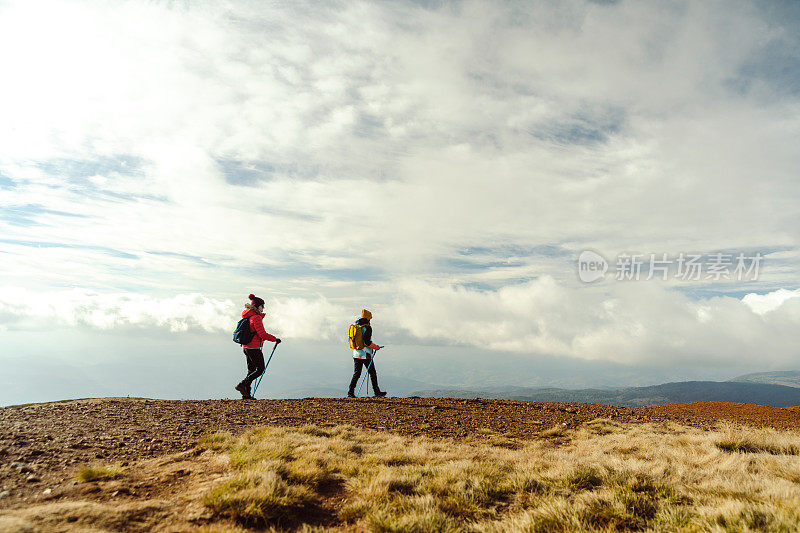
x=443, y=164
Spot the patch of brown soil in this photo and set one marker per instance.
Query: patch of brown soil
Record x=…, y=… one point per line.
x=157, y=494
x=739, y=413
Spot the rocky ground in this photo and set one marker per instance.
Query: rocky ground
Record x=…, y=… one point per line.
x=43, y=445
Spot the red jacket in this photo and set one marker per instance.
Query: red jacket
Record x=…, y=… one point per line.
x=257, y=325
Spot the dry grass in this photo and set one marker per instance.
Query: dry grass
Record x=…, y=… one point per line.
x=259, y=496
x=602, y=477
x=759, y=441
x=605, y=476
x=553, y=433
x=99, y=473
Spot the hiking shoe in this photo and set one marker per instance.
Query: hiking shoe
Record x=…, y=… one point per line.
x=380, y=394
x=351, y=395
x=244, y=390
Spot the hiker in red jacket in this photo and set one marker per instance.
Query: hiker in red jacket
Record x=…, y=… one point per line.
x=252, y=350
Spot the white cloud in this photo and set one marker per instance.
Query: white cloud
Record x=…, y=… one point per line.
x=22, y=309
x=390, y=137
x=316, y=319
x=637, y=322
x=26, y=309
x=765, y=303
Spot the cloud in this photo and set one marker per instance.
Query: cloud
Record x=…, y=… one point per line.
x=637, y=323
x=765, y=303
x=316, y=319
x=329, y=155
x=24, y=309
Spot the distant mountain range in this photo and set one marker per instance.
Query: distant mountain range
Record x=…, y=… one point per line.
x=776, y=389
x=787, y=378
x=745, y=389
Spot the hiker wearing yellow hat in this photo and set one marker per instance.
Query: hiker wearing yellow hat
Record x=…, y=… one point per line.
x=360, y=336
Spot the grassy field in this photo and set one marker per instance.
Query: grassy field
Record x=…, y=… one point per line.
x=602, y=477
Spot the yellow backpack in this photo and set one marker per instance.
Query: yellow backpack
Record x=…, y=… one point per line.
x=356, y=337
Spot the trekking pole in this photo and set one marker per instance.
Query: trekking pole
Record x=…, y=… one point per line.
x=258, y=381
x=367, y=374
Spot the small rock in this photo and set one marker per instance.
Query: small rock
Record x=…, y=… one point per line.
x=47, y=492
x=5, y=494
x=32, y=479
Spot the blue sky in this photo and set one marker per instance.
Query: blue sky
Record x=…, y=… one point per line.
x=443, y=164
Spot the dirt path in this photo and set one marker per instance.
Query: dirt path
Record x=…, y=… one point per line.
x=42, y=445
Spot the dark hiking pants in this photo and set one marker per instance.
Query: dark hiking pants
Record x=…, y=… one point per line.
x=357, y=364
x=255, y=365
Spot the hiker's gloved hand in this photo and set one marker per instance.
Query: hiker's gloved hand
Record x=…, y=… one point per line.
x=277, y=341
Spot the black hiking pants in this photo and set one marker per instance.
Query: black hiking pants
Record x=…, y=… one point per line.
x=255, y=365
x=357, y=364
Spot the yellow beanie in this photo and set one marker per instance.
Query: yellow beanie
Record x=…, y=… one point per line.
x=366, y=314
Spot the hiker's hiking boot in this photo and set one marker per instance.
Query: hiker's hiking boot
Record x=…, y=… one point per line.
x=244, y=390
x=380, y=394
x=351, y=395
